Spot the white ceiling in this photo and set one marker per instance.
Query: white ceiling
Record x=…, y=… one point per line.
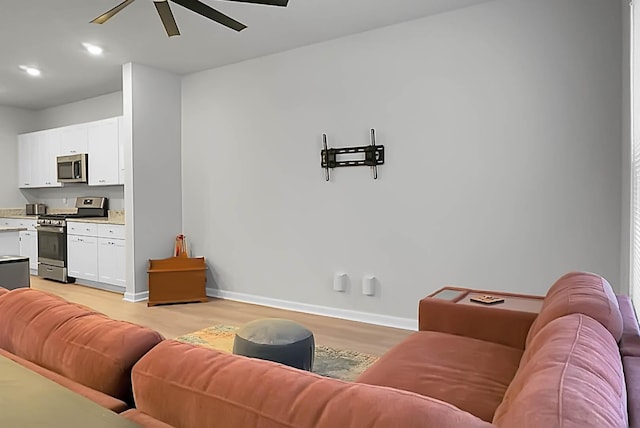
x=48, y=34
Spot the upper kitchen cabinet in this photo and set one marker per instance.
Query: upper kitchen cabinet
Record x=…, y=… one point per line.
x=37, y=159
x=74, y=140
x=26, y=146
x=104, y=152
x=37, y=152
x=48, y=146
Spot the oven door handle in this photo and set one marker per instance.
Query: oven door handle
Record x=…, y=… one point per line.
x=50, y=229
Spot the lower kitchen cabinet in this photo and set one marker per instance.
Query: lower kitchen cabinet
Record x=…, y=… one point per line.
x=96, y=252
x=82, y=255
x=28, y=239
x=29, y=248
x=111, y=261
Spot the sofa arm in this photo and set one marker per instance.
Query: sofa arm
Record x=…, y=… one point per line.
x=488, y=323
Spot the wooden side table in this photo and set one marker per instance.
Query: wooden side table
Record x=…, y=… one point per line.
x=512, y=301
x=177, y=280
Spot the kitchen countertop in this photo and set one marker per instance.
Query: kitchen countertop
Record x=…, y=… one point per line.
x=12, y=229
x=99, y=220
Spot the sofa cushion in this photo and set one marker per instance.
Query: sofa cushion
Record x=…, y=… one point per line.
x=98, y=397
x=471, y=374
x=570, y=376
x=189, y=386
x=73, y=341
x=580, y=292
x=3, y=291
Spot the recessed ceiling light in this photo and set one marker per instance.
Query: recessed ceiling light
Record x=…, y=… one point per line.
x=30, y=70
x=93, y=49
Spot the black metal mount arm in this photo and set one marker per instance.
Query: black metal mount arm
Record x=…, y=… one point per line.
x=373, y=156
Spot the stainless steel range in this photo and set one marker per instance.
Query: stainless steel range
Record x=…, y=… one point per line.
x=52, y=237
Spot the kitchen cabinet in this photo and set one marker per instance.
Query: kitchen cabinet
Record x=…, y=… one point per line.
x=96, y=252
x=104, y=152
x=29, y=248
x=9, y=242
x=28, y=239
x=47, y=146
x=82, y=251
x=111, y=254
x=37, y=153
x=74, y=139
x=25, y=162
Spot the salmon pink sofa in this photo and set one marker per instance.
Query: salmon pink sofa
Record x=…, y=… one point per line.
x=559, y=368
x=72, y=345
x=468, y=366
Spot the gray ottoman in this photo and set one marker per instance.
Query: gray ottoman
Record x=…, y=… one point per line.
x=278, y=340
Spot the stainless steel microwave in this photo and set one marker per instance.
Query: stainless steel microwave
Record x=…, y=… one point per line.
x=72, y=168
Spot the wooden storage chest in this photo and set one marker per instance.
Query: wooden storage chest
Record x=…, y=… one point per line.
x=177, y=280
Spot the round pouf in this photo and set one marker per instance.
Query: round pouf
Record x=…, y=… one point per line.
x=278, y=340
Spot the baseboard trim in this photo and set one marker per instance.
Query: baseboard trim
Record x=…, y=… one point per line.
x=100, y=285
x=365, y=317
x=136, y=297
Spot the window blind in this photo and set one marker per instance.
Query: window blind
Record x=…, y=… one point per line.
x=635, y=157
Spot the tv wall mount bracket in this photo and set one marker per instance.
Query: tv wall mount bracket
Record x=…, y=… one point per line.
x=373, y=156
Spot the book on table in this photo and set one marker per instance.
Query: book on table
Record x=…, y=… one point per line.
x=486, y=299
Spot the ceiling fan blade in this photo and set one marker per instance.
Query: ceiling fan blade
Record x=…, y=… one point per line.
x=169, y=22
x=267, y=2
x=209, y=12
x=109, y=14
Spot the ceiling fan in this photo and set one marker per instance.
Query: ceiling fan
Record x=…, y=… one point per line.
x=166, y=16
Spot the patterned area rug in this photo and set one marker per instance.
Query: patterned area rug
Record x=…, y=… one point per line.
x=329, y=362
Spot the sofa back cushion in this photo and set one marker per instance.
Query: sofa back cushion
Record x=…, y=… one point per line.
x=188, y=386
x=584, y=293
x=73, y=341
x=571, y=376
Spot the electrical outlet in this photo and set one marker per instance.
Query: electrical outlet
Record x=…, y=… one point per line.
x=369, y=285
x=340, y=282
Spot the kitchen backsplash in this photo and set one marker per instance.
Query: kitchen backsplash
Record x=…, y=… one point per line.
x=61, y=197
x=114, y=216
x=10, y=212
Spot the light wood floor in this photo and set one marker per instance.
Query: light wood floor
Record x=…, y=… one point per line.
x=175, y=320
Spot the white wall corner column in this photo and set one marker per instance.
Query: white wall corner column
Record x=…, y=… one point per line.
x=153, y=191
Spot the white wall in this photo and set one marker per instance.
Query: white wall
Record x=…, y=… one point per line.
x=102, y=107
x=13, y=121
x=502, y=129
